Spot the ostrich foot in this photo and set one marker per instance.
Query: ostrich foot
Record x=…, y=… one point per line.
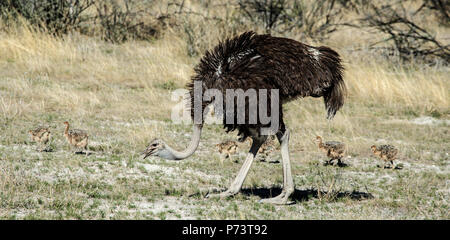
x=387, y=166
x=282, y=199
x=47, y=149
x=276, y=201
x=398, y=166
x=274, y=161
x=222, y=195
x=341, y=164
x=327, y=163
x=39, y=148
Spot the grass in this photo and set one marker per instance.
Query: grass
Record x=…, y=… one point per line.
x=121, y=95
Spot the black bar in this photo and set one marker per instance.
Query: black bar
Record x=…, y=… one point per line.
x=221, y=229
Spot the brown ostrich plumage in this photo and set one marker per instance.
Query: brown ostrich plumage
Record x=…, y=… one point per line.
x=41, y=135
x=252, y=61
x=387, y=153
x=227, y=148
x=76, y=138
x=335, y=150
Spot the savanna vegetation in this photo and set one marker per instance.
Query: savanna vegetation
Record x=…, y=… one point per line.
x=109, y=67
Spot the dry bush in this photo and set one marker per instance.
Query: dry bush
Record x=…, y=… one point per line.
x=55, y=16
x=124, y=20
x=315, y=19
x=274, y=15
x=201, y=24
x=406, y=38
x=115, y=21
x=441, y=7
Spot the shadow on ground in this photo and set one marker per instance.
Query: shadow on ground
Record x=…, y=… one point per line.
x=305, y=195
x=297, y=196
x=84, y=153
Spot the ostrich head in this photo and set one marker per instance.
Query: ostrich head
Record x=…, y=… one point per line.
x=155, y=148
x=32, y=134
x=318, y=139
x=66, y=129
x=160, y=149
x=374, y=149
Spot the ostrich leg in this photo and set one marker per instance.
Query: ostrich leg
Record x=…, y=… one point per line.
x=239, y=180
x=288, y=182
x=39, y=147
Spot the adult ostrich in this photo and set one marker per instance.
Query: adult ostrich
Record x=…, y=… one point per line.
x=252, y=61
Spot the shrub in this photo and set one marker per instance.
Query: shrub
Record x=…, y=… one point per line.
x=55, y=16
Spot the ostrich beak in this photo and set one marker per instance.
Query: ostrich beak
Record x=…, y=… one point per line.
x=147, y=152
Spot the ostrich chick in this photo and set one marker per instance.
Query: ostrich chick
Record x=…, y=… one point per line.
x=77, y=138
x=388, y=153
x=41, y=135
x=226, y=149
x=266, y=148
x=335, y=150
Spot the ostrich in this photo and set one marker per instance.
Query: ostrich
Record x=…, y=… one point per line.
x=253, y=61
x=226, y=149
x=335, y=151
x=388, y=153
x=41, y=135
x=76, y=138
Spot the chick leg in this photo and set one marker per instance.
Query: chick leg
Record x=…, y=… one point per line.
x=339, y=162
x=39, y=147
x=334, y=162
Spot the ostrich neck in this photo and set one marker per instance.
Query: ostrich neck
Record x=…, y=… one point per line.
x=172, y=154
x=66, y=131
x=321, y=144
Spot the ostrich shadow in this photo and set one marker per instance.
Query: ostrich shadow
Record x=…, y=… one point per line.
x=47, y=150
x=297, y=196
x=305, y=195
x=339, y=164
x=269, y=161
x=87, y=153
